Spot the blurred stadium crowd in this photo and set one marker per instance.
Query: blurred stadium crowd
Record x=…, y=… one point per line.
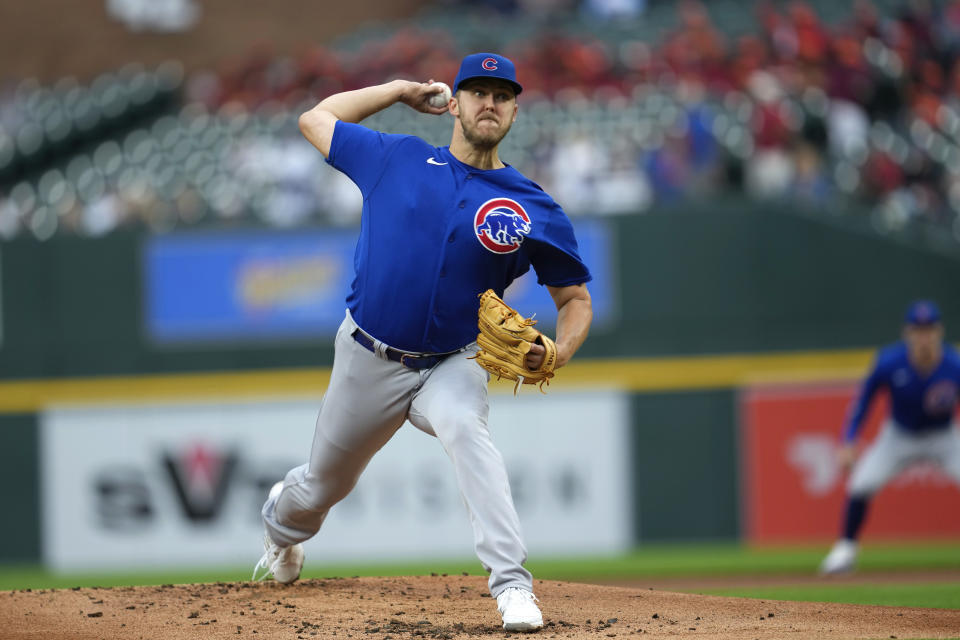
x=849, y=107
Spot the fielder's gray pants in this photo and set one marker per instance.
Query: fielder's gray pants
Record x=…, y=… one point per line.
x=895, y=449
x=368, y=399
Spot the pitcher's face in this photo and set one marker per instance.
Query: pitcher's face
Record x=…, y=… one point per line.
x=486, y=110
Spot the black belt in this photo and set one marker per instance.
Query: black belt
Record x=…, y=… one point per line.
x=409, y=360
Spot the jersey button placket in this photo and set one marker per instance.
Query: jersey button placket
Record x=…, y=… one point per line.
x=450, y=239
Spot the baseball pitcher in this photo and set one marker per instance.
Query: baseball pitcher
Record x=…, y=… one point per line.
x=440, y=226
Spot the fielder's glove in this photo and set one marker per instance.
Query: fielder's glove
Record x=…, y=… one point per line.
x=504, y=341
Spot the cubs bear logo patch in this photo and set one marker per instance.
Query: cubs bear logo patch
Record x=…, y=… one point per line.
x=940, y=398
x=501, y=224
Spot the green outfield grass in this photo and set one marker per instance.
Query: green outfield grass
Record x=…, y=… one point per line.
x=648, y=561
x=943, y=595
x=727, y=559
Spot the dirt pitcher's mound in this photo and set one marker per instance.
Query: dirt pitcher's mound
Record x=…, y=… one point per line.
x=436, y=607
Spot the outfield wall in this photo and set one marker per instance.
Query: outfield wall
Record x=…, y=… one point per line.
x=699, y=307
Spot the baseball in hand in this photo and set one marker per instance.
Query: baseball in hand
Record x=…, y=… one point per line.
x=441, y=98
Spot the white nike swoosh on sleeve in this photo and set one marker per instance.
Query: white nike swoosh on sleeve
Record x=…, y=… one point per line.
x=430, y=160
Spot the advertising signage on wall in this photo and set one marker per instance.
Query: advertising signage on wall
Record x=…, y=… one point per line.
x=793, y=488
x=231, y=287
x=216, y=287
x=147, y=486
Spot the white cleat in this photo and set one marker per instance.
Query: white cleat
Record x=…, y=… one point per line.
x=841, y=559
x=283, y=563
x=519, y=610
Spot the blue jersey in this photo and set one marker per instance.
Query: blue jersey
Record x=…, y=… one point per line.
x=918, y=404
x=435, y=233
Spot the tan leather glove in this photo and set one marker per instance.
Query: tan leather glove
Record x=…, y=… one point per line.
x=504, y=341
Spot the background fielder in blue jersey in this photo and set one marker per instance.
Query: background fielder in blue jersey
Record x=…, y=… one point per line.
x=922, y=375
x=440, y=225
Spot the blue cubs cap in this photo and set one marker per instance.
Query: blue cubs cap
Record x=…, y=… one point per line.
x=487, y=65
x=922, y=312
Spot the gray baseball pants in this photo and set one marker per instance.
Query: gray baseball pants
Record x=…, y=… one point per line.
x=895, y=449
x=368, y=399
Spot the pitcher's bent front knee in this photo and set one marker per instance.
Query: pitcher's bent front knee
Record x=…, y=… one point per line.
x=303, y=505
